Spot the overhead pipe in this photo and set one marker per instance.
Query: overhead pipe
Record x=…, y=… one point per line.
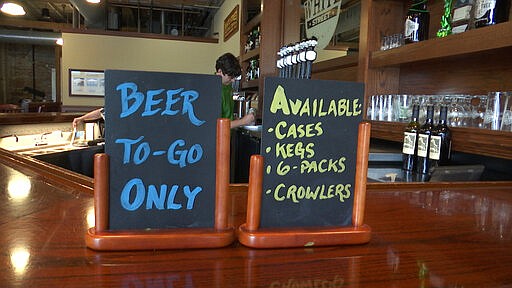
x=29, y=37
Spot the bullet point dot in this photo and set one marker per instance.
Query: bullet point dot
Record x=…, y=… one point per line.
x=268, y=149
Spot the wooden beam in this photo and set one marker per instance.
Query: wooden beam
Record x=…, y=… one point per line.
x=20, y=23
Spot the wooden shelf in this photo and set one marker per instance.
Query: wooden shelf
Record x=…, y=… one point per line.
x=350, y=60
x=475, y=41
x=269, y=20
x=250, y=84
x=251, y=54
x=255, y=21
x=464, y=139
x=473, y=62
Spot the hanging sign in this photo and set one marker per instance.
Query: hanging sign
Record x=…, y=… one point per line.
x=321, y=20
x=231, y=24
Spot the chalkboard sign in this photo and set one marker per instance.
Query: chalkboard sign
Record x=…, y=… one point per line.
x=309, y=145
x=160, y=137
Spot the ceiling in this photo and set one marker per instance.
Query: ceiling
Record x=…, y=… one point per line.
x=186, y=17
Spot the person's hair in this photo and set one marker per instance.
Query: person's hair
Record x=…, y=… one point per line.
x=229, y=65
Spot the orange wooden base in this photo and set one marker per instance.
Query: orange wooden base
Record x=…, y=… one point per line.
x=159, y=239
x=221, y=235
x=303, y=237
x=250, y=233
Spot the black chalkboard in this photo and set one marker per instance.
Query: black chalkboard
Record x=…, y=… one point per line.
x=160, y=136
x=309, y=143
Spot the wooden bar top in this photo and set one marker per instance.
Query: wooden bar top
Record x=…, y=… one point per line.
x=421, y=237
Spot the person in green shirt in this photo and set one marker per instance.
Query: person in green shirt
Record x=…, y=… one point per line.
x=228, y=68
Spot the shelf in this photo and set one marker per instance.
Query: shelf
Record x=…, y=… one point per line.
x=474, y=41
x=350, y=60
x=255, y=21
x=251, y=54
x=250, y=84
x=468, y=140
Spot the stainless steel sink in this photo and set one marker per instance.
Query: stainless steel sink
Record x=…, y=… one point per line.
x=48, y=149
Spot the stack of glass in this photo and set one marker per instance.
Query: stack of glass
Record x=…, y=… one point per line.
x=491, y=111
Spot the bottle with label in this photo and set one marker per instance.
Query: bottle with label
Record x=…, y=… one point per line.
x=461, y=18
x=490, y=12
x=417, y=22
x=255, y=68
x=256, y=37
x=424, y=134
x=440, y=141
x=446, y=20
x=410, y=140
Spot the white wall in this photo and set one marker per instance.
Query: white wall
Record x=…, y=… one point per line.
x=99, y=52
x=233, y=43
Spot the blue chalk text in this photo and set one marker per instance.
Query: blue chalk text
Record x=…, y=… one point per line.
x=132, y=100
x=176, y=155
x=134, y=194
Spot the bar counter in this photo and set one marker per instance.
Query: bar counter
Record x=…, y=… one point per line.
x=422, y=236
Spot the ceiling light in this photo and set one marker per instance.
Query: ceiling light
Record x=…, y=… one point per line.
x=13, y=9
x=93, y=1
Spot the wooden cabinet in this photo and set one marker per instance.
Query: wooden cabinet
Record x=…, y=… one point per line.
x=247, y=54
x=474, y=62
x=278, y=21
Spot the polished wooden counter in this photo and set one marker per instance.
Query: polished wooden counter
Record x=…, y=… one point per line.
x=422, y=236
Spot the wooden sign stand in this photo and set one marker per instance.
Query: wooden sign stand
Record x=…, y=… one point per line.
x=99, y=238
x=250, y=234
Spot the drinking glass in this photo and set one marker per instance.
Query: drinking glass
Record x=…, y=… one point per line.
x=383, y=110
x=507, y=115
x=456, y=112
x=388, y=107
x=385, y=42
x=402, y=107
x=477, y=110
x=372, y=108
x=497, y=111
x=380, y=108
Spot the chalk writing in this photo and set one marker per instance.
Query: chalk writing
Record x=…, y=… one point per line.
x=132, y=100
x=175, y=155
x=155, y=198
x=336, y=282
x=315, y=108
x=320, y=192
x=163, y=137
x=309, y=143
x=283, y=131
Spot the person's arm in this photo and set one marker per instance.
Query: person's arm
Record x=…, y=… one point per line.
x=93, y=115
x=248, y=119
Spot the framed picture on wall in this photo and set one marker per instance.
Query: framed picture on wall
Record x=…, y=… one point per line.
x=86, y=82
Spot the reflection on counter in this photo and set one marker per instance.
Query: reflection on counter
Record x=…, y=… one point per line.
x=438, y=174
x=492, y=215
